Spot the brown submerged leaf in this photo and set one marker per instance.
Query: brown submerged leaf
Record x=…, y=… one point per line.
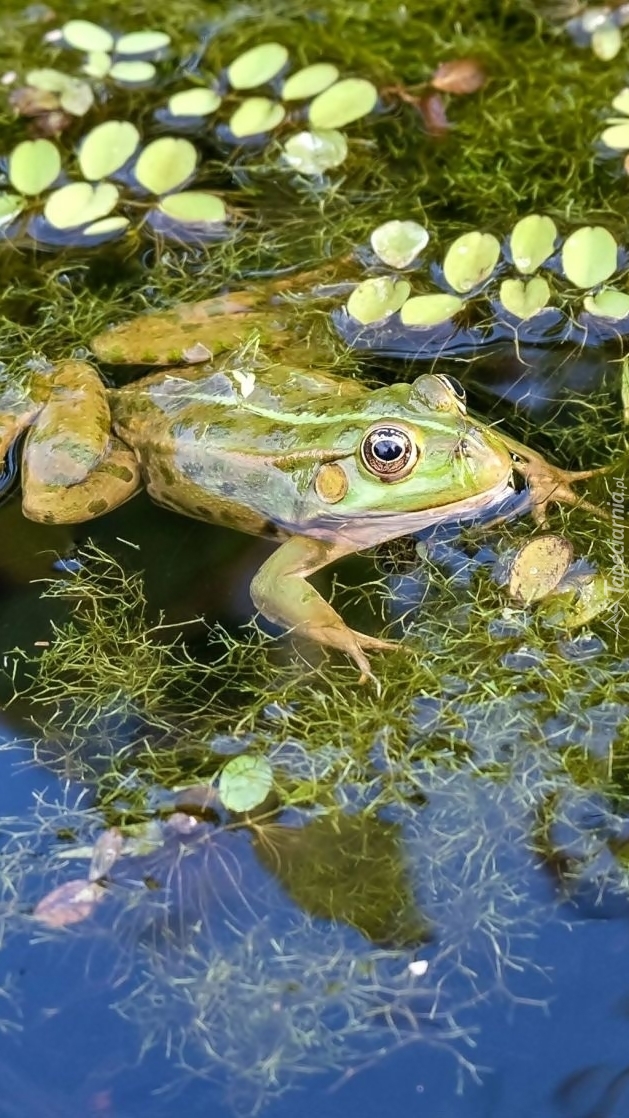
x=459, y=76
x=69, y=904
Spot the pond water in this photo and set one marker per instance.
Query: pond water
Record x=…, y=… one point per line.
x=428, y=912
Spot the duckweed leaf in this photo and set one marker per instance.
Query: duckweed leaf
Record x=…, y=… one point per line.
x=245, y=782
x=343, y=103
x=194, y=102
x=532, y=242
x=76, y=98
x=79, y=203
x=397, y=243
x=10, y=206
x=607, y=41
x=33, y=166
x=166, y=164
x=617, y=136
x=621, y=101
x=194, y=206
x=377, y=298
x=312, y=153
x=430, y=310
x=254, y=116
x=132, y=73
x=106, y=227
x=309, y=82
x=257, y=66
x=470, y=260
x=69, y=904
x=539, y=567
x=608, y=303
x=107, y=148
x=51, y=81
x=589, y=256
x=142, y=42
x=84, y=35
x=98, y=64
x=524, y=300
x=580, y=603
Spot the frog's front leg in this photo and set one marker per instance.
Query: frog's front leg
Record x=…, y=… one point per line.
x=280, y=591
x=550, y=484
x=73, y=469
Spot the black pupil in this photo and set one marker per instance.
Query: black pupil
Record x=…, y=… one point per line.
x=456, y=387
x=387, y=448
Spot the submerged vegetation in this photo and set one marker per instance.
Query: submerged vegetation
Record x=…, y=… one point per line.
x=392, y=841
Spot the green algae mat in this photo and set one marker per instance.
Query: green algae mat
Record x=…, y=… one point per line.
x=288, y=873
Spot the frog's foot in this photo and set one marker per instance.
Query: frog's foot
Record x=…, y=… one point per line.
x=280, y=591
x=550, y=485
x=108, y=485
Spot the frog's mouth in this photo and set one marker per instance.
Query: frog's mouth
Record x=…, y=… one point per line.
x=505, y=499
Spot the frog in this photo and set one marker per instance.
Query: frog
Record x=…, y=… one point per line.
x=324, y=465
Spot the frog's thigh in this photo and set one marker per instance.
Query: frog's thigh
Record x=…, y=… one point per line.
x=111, y=483
x=280, y=591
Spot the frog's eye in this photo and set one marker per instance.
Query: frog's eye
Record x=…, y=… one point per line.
x=456, y=388
x=389, y=452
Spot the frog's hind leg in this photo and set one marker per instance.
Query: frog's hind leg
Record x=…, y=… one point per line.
x=113, y=481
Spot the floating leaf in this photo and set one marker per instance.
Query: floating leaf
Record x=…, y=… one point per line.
x=69, y=904
x=254, y=116
x=532, y=242
x=459, y=75
x=10, y=206
x=83, y=35
x=257, y=66
x=33, y=166
x=245, y=782
x=343, y=103
x=608, y=303
x=51, y=81
x=77, y=98
x=107, y=227
x=617, y=136
x=132, y=73
x=377, y=298
x=79, y=203
x=312, y=153
x=166, y=164
x=98, y=64
x=607, y=41
x=621, y=101
x=194, y=102
x=471, y=260
x=398, y=243
x=107, y=148
x=309, y=82
x=142, y=42
x=524, y=300
x=107, y=850
x=430, y=310
x=539, y=567
x=589, y=256
x=580, y=602
x=194, y=206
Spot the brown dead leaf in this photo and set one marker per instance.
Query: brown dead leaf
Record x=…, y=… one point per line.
x=28, y=101
x=432, y=110
x=459, y=76
x=69, y=904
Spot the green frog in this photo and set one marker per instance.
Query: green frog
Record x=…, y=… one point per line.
x=323, y=465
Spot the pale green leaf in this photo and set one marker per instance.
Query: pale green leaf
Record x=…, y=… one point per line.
x=377, y=298
x=106, y=226
x=312, y=153
x=255, y=116
x=77, y=98
x=309, y=82
x=83, y=35
x=33, y=166
x=132, y=73
x=589, y=256
x=524, y=300
x=532, y=242
x=245, y=783
x=343, y=103
x=51, y=81
x=607, y=41
x=470, y=260
x=430, y=310
x=79, y=203
x=608, y=303
x=166, y=164
x=398, y=243
x=616, y=137
x=621, y=101
x=107, y=148
x=194, y=102
x=142, y=42
x=10, y=206
x=257, y=66
x=198, y=207
x=98, y=64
